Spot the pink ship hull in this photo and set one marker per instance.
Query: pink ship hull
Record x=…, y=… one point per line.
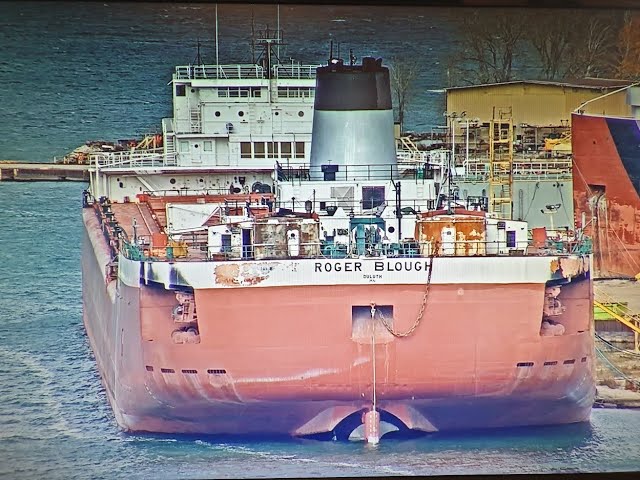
x=295, y=360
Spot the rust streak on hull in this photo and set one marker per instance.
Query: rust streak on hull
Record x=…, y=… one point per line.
x=604, y=191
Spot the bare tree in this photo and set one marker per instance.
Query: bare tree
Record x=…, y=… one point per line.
x=549, y=33
x=592, y=44
x=402, y=72
x=566, y=43
x=628, y=47
x=489, y=42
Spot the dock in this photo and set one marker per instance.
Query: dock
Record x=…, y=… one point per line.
x=41, y=171
x=617, y=304
x=607, y=397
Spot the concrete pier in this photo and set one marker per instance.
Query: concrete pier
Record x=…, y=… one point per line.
x=40, y=171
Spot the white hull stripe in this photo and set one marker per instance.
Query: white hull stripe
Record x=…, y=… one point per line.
x=361, y=271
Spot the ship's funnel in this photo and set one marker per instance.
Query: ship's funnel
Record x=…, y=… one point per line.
x=353, y=123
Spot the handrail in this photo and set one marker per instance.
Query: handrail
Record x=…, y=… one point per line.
x=409, y=248
x=243, y=71
x=295, y=71
x=130, y=159
x=236, y=71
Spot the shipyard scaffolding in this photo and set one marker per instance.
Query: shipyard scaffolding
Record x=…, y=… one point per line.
x=501, y=164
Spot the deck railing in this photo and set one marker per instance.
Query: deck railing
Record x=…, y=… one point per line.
x=243, y=71
x=238, y=71
x=192, y=247
x=523, y=169
x=133, y=159
x=294, y=70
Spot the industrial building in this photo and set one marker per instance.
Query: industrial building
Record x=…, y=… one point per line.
x=538, y=109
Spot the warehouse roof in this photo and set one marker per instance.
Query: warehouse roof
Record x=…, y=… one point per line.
x=589, y=82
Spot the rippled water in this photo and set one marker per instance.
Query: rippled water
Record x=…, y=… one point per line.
x=73, y=72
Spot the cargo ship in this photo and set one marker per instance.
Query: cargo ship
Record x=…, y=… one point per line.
x=606, y=185
x=228, y=289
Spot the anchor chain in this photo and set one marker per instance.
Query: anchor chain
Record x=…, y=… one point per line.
x=423, y=305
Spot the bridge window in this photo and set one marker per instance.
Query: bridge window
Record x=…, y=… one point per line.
x=271, y=149
x=299, y=149
x=245, y=150
x=181, y=90
x=295, y=92
x=239, y=92
x=285, y=150
x=258, y=148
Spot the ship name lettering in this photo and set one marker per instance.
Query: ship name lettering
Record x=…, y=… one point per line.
x=402, y=266
x=338, y=267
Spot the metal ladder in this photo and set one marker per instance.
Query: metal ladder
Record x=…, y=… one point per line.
x=196, y=126
x=501, y=165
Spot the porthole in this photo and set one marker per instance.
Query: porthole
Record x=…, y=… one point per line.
x=276, y=113
x=195, y=146
x=301, y=113
x=241, y=113
x=217, y=114
x=172, y=181
x=391, y=229
x=121, y=185
x=193, y=90
x=201, y=180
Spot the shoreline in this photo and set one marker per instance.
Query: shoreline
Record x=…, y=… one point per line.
x=607, y=397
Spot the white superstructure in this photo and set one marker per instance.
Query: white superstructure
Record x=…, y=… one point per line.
x=247, y=128
x=230, y=125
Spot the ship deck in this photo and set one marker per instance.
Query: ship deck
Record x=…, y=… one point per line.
x=127, y=213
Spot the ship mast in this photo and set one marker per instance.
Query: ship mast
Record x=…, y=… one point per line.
x=268, y=56
x=198, y=59
x=217, y=41
x=263, y=42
